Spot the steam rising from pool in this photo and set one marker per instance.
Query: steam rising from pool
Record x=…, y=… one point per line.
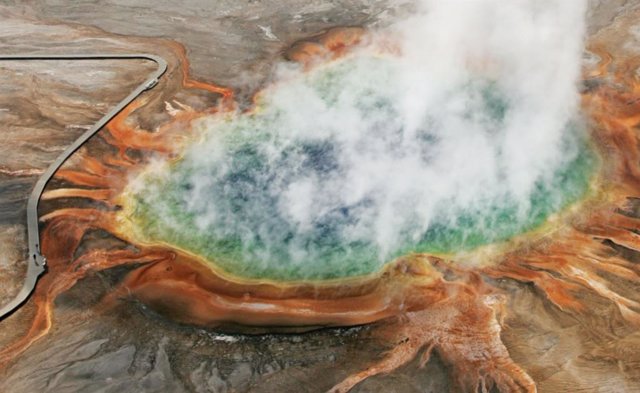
x=469, y=136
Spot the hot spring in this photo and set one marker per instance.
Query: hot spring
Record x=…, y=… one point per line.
x=328, y=178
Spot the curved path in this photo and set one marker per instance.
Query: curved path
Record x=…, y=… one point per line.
x=36, y=261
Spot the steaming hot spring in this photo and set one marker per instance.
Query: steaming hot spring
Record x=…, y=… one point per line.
x=330, y=177
x=376, y=178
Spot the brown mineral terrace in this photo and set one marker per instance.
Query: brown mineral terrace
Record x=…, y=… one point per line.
x=36, y=261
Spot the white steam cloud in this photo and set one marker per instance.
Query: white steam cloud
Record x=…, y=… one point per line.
x=532, y=48
x=376, y=149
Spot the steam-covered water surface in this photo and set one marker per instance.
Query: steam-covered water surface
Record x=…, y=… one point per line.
x=330, y=176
